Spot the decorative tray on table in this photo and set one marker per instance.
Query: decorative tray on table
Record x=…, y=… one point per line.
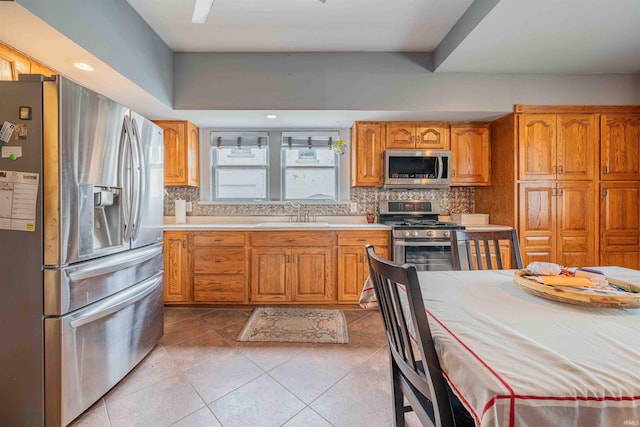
x=622, y=295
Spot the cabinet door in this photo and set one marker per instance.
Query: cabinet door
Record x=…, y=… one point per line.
x=620, y=224
x=176, y=267
x=620, y=147
x=536, y=146
x=469, y=156
x=367, y=148
x=193, y=173
x=432, y=136
x=351, y=272
x=576, y=147
x=537, y=222
x=312, y=275
x=577, y=227
x=270, y=276
x=400, y=135
x=175, y=155
x=12, y=63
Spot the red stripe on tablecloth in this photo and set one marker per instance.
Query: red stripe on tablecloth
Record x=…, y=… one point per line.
x=464, y=401
x=512, y=404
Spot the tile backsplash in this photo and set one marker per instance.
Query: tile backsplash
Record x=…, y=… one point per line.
x=452, y=200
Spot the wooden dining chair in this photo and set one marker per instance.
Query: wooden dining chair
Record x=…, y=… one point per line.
x=415, y=368
x=480, y=250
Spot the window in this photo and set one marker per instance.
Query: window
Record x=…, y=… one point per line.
x=310, y=167
x=273, y=165
x=240, y=166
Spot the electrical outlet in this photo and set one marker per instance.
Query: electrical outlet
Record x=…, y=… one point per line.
x=189, y=206
x=354, y=208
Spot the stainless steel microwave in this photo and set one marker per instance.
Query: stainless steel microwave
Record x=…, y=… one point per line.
x=417, y=168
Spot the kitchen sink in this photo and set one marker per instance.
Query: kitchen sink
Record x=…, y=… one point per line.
x=292, y=224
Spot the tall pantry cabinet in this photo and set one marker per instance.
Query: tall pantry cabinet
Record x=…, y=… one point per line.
x=566, y=177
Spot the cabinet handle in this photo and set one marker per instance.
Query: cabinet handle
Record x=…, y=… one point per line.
x=560, y=192
x=604, y=192
x=181, y=173
x=554, y=192
x=605, y=170
x=217, y=240
x=560, y=170
x=184, y=244
x=453, y=173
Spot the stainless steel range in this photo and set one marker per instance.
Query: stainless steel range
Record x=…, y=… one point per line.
x=417, y=236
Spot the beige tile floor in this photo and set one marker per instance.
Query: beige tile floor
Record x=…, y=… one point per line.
x=198, y=375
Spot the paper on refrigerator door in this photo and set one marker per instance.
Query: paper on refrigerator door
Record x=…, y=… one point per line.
x=18, y=196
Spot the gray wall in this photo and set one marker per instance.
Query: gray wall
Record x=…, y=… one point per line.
x=113, y=32
x=374, y=81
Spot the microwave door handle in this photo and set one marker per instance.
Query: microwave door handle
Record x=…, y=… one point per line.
x=440, y=167
x=123, y=178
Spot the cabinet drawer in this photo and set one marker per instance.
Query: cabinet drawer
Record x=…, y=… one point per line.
x=360, y=238
x=288, y=239
x=221, y=260
x=219, y=238
x=215, y=288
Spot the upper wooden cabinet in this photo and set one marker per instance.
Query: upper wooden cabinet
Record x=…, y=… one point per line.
x=181, y=163
x=14, y=63
x=620, y=147
x=470, y=155
x=557, y=146
x=417, y=135
x=367, y=150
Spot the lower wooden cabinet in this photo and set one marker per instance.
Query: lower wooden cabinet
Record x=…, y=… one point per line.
x=292, y=267
x=268, y=267
x=220, y=267
x=353, y=268
x=620, y=224
x=558, y=223
x=177, y=271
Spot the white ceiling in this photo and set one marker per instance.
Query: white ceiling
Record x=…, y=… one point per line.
x=303, y=25
x=515, y=36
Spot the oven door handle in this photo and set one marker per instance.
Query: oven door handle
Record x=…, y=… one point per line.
x=403, y=243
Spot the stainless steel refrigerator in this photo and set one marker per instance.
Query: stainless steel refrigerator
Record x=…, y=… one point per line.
x=81, y=207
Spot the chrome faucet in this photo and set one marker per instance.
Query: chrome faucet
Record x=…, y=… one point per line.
x=294, y=206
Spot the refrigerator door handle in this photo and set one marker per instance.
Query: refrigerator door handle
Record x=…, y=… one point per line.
x=124, y=178
x=112, y=264
x=139, y=181
x=127, y=298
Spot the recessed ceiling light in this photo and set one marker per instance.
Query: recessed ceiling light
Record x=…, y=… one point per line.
x=83, y=66
x=272, y=116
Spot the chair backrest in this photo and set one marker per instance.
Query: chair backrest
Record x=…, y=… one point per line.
x=480, y=250
x=405, y=320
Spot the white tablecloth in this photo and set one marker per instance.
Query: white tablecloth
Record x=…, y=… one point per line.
x=517, y=359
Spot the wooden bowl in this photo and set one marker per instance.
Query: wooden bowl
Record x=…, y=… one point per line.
x=631, y=299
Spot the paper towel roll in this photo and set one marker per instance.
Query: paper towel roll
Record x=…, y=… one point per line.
x=181, y=211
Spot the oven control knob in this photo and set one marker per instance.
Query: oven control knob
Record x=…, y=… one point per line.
x=445, y=234
x=430, y=233
x=416, y=233
x=406, y=233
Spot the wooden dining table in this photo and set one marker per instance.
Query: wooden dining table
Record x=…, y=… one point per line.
x=519, y=360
